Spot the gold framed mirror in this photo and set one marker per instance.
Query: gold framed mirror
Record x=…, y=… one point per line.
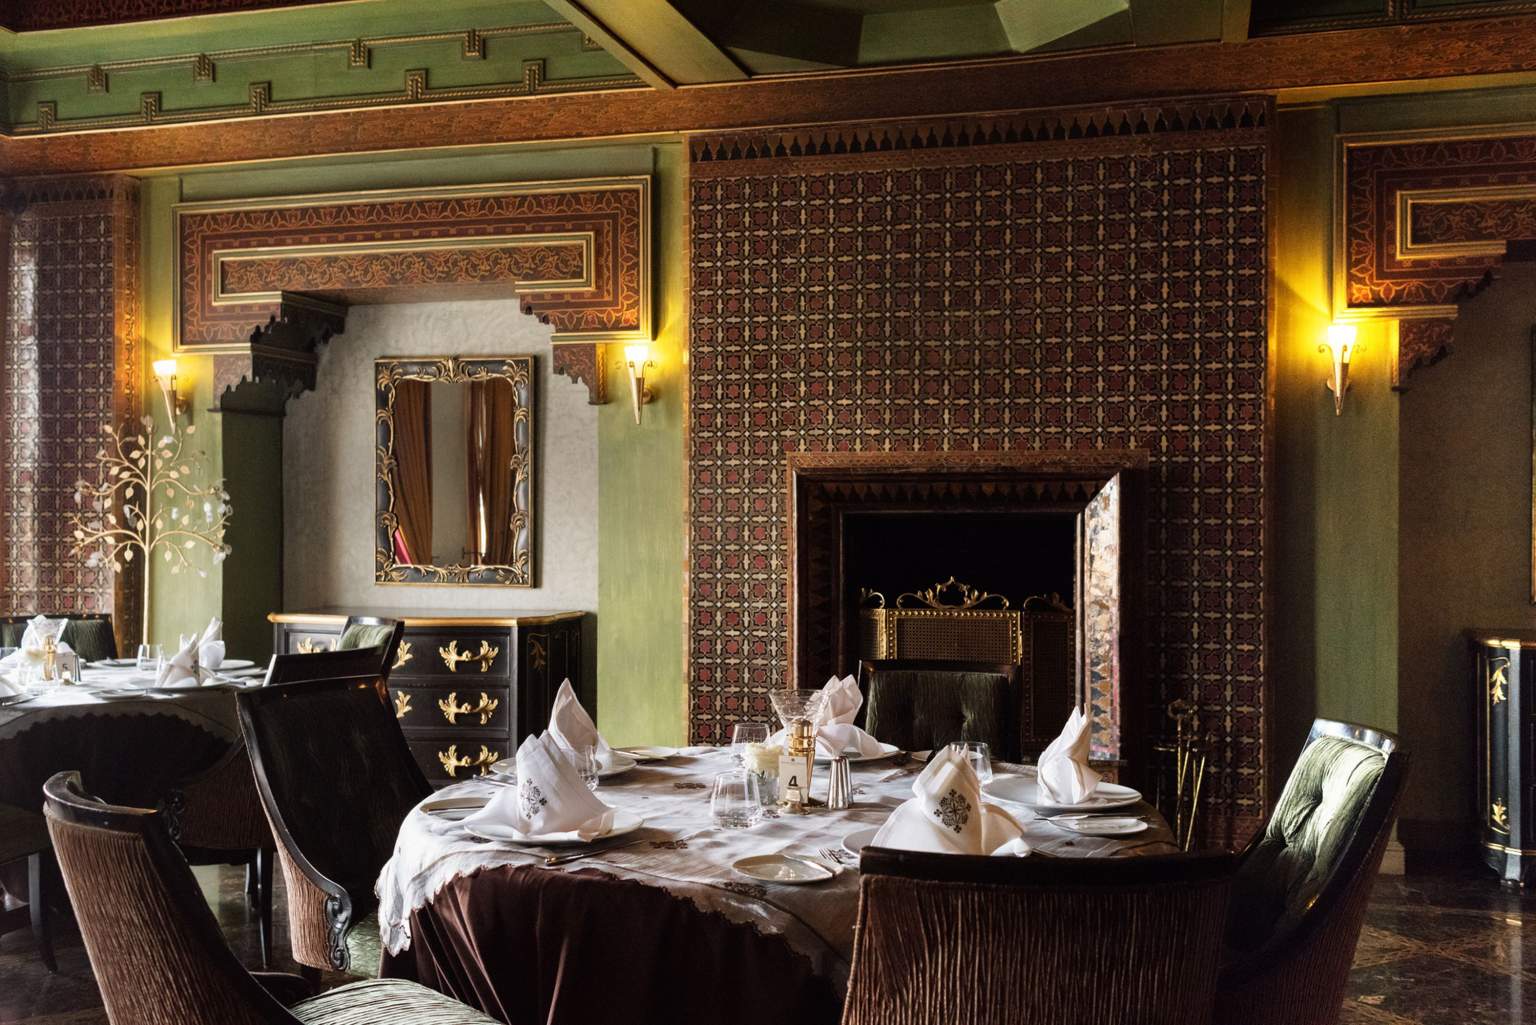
x=454, y=450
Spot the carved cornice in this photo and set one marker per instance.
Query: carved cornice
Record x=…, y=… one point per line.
x=1423, y=222
x=35, y=15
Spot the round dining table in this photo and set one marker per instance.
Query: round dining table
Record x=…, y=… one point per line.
x=657, y=926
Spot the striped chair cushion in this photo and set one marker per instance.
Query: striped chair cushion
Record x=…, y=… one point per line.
x=364, y=948
x=386, y=1002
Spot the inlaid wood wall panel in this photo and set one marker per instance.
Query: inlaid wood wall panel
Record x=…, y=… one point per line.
x=1081, y=282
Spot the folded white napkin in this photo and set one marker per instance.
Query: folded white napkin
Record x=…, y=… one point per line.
x=180, y=670
x=210, y=646
x=10, y=688
x=31, y=649
x=947, y=815
x=573, y=729
x=549, y=802
x=835, y=732
x=1065, y=777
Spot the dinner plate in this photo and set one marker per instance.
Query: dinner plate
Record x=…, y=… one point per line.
x=231, y=664
x=116, y=663
x=507, y=767
x=1025, y=790
x=1100, y=825
x=644, y=753
x=783, y=868
x=623, y=822
x=115, y=693
x=855, y=842
x=886, y=750
x=453, y=808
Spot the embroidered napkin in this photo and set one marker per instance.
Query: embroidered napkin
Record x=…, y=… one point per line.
x=549, y=802
x=572, y=728
x=835, y=732
x=210, y=646
x=31, y=649
x=1065, y=777
x=946, y=814
x=180, y=670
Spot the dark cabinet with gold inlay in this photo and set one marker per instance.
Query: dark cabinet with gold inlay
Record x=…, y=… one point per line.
x=1505, y=682
x=467, y=689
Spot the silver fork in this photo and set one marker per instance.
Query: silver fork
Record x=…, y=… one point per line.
x=836, y=857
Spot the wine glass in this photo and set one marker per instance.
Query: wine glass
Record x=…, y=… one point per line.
x=978, y=755
x=150, y=660
x=744, y=733
x=586, y=766
x=735, y=803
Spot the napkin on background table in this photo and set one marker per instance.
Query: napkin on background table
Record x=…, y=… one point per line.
x=31, y=649
x=180, y=670
x=573, y=729
x=210, y=646
x=550, y=801
x=835, y=732
x=1064, y=775
x=947, y=815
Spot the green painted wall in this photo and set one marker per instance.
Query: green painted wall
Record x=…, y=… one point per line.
x=640, y=612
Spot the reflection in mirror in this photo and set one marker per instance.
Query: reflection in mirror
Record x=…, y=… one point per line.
x=455, y=471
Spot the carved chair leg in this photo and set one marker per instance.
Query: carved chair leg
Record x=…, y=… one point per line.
x=37, y=905
x=261, y=869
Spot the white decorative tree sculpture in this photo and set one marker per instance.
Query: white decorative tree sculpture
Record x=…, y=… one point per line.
x=146, y=501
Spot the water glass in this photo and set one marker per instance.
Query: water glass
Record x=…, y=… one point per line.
x=735, y=804
x=978, y=754
x=587, y=766
x=151, y=659
x=744, y=733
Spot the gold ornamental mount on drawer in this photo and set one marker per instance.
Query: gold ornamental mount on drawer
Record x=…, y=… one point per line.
x=452, y=761
x=403, y=655
x=451, y=708
x=402, y=704
x=310, y=646
x=452, y=656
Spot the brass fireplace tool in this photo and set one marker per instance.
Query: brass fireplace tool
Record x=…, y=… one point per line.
x=1188, y=770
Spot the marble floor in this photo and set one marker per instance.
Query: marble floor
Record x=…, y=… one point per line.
x=1436, y=950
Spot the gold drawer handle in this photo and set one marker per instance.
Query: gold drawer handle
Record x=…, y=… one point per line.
x=310, y=646
x=452, y=709
x=452, y=762
x=402, y=704
x=452, y=656
x=403, y=655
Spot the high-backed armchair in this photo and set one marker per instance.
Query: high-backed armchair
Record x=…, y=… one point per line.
x=1301, y=890
x=920, y=706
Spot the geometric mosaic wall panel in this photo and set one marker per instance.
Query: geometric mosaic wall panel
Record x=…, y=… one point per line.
x=1092, y=282
x=70, y=364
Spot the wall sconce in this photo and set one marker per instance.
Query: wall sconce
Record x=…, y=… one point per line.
x=1341, y=346
x=637, y=358
x=165, y=373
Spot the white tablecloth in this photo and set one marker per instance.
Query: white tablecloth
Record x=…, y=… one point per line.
x=691, y=859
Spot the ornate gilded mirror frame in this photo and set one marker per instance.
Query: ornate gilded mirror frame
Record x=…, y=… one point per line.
x=388, y=374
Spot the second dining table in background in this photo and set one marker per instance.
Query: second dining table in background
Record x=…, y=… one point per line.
x=657, y=925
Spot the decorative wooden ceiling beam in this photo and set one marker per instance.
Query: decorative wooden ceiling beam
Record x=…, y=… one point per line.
x=653, y=39
x=1380, y=54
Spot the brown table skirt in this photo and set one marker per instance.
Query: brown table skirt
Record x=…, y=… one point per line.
x=532, y=946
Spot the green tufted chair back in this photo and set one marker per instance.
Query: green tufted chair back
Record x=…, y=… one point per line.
x=89, y=636
x=921, y=706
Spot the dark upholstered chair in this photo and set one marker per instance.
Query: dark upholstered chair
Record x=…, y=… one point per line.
x=216, y=818
x=356, y=664
x=921, y=706
x=1301, y=890
x=1036, y=941
x=336, y=779
x=88, y=634
x=156, y=951
x=24, y=835
x=371, y=632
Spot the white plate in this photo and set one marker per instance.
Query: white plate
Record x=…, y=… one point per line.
x=623, y=822
x=115, y=693
x=453, y=808
x=886, y=750
x=783, y=868
x=1026, y=791
x=645, y=753
x=856, y=841
x=115, y=663
x=1100, y=825
x=507, y=767
x=231, y=664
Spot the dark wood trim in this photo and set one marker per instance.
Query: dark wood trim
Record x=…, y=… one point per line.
x=1377, y=54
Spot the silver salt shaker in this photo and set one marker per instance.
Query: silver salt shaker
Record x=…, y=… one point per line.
x=839, y=787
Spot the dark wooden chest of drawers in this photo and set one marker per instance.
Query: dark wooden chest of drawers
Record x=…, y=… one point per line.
x=467, y=689
x=1505, y=684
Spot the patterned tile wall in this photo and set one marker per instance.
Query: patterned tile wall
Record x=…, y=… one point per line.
x=1100, y=293
x=69, y=365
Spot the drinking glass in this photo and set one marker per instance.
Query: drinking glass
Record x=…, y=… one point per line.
x=150, y=660
x=978, y=754
x=587, y=766
x=744, y=733
x=735, y=804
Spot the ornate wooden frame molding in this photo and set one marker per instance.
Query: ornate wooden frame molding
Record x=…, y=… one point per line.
x=261, y=282
x=1422, y=221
